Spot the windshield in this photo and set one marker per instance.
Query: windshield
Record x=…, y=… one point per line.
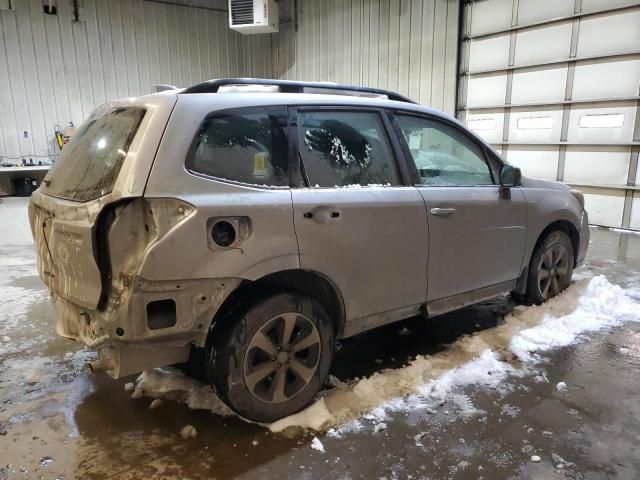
x=89, y=164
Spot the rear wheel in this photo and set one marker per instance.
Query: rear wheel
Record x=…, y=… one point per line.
x=272, y=358
x=551, y=268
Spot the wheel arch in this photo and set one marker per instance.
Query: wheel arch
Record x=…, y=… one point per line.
x=562, y=225
x=307, y=282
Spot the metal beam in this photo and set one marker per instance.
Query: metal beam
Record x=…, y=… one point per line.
x=541, y=23
x=554, y=62
x=499, y=106
x=570, y=144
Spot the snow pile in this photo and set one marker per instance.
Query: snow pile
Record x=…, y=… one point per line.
x=485, y=359
x=316, y=444
x=172, y=384
x=583, y=308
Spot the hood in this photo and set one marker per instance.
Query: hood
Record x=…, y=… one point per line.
x=529, y=182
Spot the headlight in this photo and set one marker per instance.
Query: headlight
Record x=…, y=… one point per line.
x=579, y=196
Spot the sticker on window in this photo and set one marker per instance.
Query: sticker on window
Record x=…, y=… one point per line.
x=535, y=123
x=608, y=120
x=482, y=124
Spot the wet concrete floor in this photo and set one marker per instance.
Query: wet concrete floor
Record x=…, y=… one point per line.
x=58, y=420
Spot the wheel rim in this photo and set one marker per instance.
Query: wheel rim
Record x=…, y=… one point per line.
x=553, y=270
x=282, y=358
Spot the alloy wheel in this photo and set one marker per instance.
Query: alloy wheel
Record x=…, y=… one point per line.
x=553, y=270
x=282, y=358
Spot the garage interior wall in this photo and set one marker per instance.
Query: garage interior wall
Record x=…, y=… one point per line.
x=409, y=46
x=54, y=70
x=555, y=85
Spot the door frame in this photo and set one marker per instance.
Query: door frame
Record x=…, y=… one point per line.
x=490, y=157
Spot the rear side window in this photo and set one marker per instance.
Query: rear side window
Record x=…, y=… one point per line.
x=341, y=148
x=248, y=146
x=442, y=154
x=90, y=163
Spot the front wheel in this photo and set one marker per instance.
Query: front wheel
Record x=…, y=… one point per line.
x=551, y=268
x=273, y=357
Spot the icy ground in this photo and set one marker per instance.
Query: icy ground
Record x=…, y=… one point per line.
x=494, y=359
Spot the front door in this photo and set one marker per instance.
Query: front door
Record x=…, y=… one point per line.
x=356, y=221
x=476, y=228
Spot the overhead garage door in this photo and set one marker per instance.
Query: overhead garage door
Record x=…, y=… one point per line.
x=555, y=86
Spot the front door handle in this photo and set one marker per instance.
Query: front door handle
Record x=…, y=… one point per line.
x=443, y=212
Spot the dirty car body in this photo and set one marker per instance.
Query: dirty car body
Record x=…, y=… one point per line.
x=167, y=213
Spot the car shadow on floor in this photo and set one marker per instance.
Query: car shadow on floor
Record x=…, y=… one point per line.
x=396, y=344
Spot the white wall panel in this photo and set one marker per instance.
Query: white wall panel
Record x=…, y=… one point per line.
x=488, y=90
x=494, y=16
x=520, y=131
x=597, y=165
x=539, y=85
x=539, y=162
x=491, y=124
x=635, y=212
x=598, y=5
x=409, y=46
x=489, y=53
x=605, y=206
x=624, y=133
x=530, y=11
x=54, y=70
x=610, y=33
x=543, y=44
x=606, y=79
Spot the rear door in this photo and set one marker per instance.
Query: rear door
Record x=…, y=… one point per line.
x=476, y=228
x=357, y=220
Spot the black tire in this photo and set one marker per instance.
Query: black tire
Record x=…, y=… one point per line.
x=540, y=287
x=233, y=359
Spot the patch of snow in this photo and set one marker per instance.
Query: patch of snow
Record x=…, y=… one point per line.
x=535, y=458
x=379, y=427
x=586, y=306
x=6, y=338
x=171, y=384
x=316, y=444
x=188, y=431
x=254, y=443
x=155, y=404
x=561, y=386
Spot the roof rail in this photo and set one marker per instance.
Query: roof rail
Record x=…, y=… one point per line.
x=292, y=86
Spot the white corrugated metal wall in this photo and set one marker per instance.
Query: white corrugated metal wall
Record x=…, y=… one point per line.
x=54, y=70
x=555, y=85
x=409, y=46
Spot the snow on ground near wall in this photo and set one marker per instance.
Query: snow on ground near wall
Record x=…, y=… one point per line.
x=485, y=359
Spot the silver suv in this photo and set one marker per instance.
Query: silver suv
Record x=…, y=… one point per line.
x=248, y=224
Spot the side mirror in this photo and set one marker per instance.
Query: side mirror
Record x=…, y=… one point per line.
x=510, y=176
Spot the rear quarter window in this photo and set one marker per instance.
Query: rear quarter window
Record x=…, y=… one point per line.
x=90, y=163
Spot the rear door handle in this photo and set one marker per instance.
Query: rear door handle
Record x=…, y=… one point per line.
x=443, y=212
x=322, y=214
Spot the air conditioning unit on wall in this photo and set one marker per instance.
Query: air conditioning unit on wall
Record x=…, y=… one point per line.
x=253, y=16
